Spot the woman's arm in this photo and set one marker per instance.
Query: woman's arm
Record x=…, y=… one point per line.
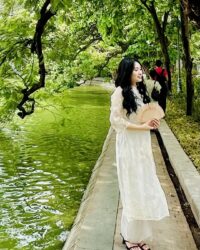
x=116, y=111
x=151, y=124
x=116, y=115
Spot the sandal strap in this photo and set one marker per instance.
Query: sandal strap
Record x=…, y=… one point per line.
x=136, y=246
x=143, y=246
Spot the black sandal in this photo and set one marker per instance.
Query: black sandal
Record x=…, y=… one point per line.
x=144, y=244
x=132, y=247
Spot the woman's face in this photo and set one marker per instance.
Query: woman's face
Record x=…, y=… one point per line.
x=136, y=73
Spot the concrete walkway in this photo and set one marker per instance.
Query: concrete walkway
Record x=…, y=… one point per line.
x=97, y=225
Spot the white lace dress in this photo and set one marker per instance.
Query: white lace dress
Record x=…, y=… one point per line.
x=142, y=197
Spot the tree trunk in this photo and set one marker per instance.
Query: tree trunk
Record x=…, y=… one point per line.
x=161, y=36
x=193, y=11
x=164, y=48
x=187, y=55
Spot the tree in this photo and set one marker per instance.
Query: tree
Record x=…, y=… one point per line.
x=160, y=26
x=36, y=47
x=188, y=59
x=192, y=8
x=77, y=41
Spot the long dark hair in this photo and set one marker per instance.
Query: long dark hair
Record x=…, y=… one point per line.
x=123, y=80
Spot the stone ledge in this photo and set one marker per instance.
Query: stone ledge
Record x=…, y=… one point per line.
x=186, y=172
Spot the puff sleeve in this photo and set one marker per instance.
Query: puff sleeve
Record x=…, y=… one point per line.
x=118, y=123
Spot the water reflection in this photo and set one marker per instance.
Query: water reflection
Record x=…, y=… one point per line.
x=34, y=190
x=43, y=176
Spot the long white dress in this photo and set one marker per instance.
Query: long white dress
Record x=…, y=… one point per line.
x=143, y=199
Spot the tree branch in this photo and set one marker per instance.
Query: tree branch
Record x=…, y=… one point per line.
x=36, y=47
x=144, y=2
x=7, y=52
x=97, y=38
x=108, y=57
x=164, y=23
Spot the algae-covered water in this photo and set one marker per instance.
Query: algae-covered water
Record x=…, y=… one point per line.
x=45, y=164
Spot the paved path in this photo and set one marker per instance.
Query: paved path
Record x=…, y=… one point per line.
x=97, y=225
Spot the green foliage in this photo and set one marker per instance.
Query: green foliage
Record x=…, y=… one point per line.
x=10, y=97
x=83, y=40
x=180, y=98
x=195, y=45
x=196, y=101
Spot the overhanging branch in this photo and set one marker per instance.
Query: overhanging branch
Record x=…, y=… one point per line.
x=36, y=47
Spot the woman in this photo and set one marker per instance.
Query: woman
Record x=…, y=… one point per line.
x=142, y=197
x=162, y=77
x=151, y=83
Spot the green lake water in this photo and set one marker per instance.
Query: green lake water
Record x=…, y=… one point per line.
x=45, y=164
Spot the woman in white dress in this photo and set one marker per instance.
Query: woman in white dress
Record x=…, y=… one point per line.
x=143, y=199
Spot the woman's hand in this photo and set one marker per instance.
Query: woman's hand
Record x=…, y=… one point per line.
x=151, y=124
x=154, y=123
